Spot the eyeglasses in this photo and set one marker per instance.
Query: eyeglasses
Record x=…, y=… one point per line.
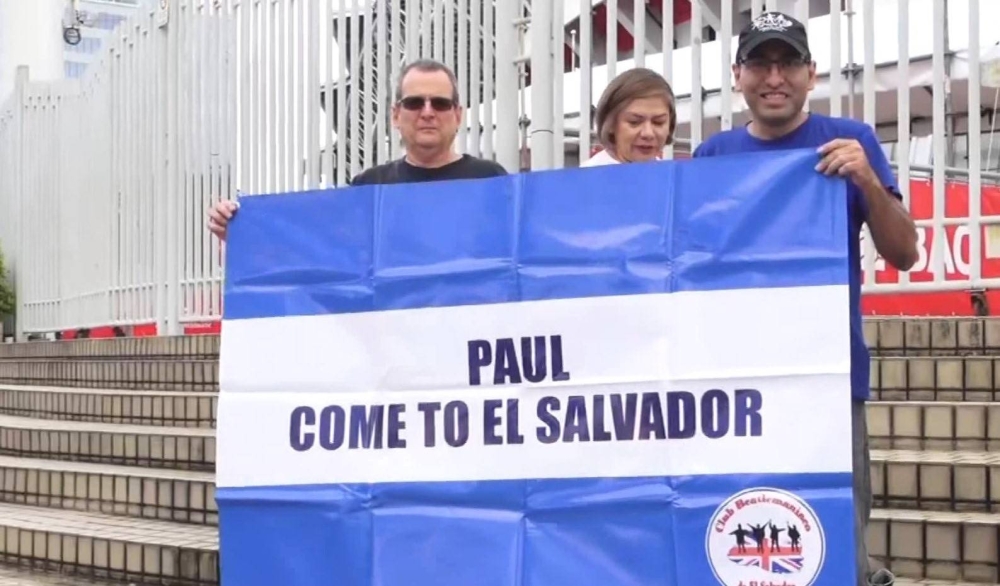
x=415, y=103
x=759, y=64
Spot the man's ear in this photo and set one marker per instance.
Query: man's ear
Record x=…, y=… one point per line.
x=736, y=77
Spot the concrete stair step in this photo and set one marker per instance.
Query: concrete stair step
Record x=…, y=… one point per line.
x=138, y=407
x=943, y=545
x=936, y=480
x=190, y=448
x=25, y=577
x=138, y=551
x=173, y=495
x=904, y=336
x=909, y=582
x=117, y=348
x=934, y=425
x=936, y=378
x=168, y=374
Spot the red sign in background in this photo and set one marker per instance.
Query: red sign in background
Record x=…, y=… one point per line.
x=957, y=260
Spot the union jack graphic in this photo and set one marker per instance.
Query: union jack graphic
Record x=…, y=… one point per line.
x=784, y=560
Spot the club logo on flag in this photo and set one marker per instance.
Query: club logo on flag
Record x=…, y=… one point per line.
x=765, y=536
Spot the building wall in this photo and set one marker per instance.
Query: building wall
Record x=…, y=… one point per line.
x=30, y=34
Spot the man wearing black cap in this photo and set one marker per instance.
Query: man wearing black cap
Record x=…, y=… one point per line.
x=774, y=71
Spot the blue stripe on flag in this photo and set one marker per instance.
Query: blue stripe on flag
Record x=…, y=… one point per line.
x=760, y=220
x=579, y=532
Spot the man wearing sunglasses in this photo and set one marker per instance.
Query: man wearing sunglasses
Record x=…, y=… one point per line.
x=427, y=115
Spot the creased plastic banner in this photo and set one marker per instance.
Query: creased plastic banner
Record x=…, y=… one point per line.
x=624, y=375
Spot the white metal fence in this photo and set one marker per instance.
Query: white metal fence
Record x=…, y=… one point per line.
x=104, y=182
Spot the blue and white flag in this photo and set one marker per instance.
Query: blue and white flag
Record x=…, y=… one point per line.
x=623, y=375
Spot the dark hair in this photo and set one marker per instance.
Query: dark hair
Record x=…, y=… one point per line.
x=428, y=65
x=627, y=86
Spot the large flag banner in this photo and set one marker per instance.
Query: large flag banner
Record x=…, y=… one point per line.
x=632, y=375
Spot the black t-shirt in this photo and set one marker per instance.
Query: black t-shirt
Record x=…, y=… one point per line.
x=399, y=171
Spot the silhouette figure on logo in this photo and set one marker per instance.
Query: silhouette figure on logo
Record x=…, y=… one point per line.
x=775, y=532
x=793, y=535
x=741, y=537
x=758, y=536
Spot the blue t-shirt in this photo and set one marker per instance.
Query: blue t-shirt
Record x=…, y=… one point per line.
x=815, y=132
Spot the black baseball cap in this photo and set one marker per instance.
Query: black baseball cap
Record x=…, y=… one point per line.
x=770, y=26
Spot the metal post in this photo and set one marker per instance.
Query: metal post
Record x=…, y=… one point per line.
x=20, y=268
x=586, y=95
x=541, y=95
x=506, y=86
x=868, y=83
x=949, y=110
x=903, y=113
x=975, y=151
x=938, y=129
x=850, y=59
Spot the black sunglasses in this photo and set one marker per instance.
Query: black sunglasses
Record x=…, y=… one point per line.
x=415, y=103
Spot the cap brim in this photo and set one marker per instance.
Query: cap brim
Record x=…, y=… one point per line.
x=772, y=36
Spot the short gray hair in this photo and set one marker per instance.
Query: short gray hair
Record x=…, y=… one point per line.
x=427, y=65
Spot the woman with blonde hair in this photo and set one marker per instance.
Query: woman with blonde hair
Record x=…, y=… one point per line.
x=636, y=118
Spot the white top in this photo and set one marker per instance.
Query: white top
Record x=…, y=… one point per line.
x=601, y=158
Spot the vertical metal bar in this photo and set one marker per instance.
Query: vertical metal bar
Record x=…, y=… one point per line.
x=559, y=67
x=331, y=79
x=668, y=55
x=586, y=76
x=188, y=136
x=903, y=115
x=312, y=86
x=639, y=31
x=426, y=30
x=382, y=78
x=398, y=39
x=365, y=112
x=449, y=34
x=413, y=8
x=219, y=156
x=611, y=40
x=272, y=91
x=697, y=101
x=352, y=53
x=246, y=93
x=974, y=152
x=342, y=88
x=869, y=67
x=541, y=101
x=802, y=15
x=439, y=48
x=201, y=152
x=465, y=86
x=301, y=99
x=506, y=86
x=726, y=53
x=22, y=319
x=288, y=82
x=756, y=7
x=173, y=49
x=938, y=123
x=146, y=143
x=488, y=102
x=836, y=74
x=475, y=79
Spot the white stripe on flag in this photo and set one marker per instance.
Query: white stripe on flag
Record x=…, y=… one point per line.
x=614, y=339
x=740, y=381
